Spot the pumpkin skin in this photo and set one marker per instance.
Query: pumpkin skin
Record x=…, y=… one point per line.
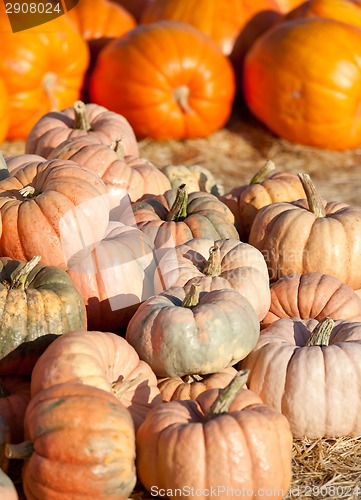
x=114, y=277
x=244, y=201
x=103, y=360
x=72, y=443
x=312, y=295
x=104, y=19
x=332, y=377
x=205, y=217
x=234, y=265
x=4, y=111
x=43, y=71
x=136, y=176
x=55, y=195
x=176, y=340
x=196, y=177
x=80, y=120
x=345, y=11
x=248, y=445
x=222, y=21
x=14, y=398
x=287, y=5
x=190, y=387
x=47, y=304
x=7, y=487
x=301, y=88
x=189, y=86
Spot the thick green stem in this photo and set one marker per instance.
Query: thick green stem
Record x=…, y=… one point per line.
x=19, y=277
x=19, y=451
x=4, y=171
x=81, y=120
x=314, y=200
x=213, y=266
x=263, y=173
x=227, y=395
x=321, y=334
x=178, y=211
x=192, y=297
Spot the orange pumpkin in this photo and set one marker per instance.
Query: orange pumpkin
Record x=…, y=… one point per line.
x=346, y=11
x=14, y=398
x=4, y=110
x=135, y=7
x=167, y=78
x=304, y=88
x=43, y=70
x=287, y=5
x=222, y=21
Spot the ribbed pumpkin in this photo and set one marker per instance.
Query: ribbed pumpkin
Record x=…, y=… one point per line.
x=215, y=265
x=103, y=360
x=178, y=84
x=81, y=444
x=312, y=295
x=7, y=487
x=121, y=174
x=114, y=277
x=80, y=120
x=14, y=399
x=176, y=217
x=52, y=209
x=180, y=334
x=345, y=11
x=225, y=441
x=43, y=70
x=309, y=371
x=196, y=177
x=37, y=303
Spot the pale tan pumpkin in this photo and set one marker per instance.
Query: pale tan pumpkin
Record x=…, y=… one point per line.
x=196, y=177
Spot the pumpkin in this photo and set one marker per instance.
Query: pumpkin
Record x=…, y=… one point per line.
x=104, y=19
x=196, y=177
x=216, y=265
x=114, y=276
x=302, y=88
x=287, y=5
x=14, y=398
x=121, y=174
x=222, y=21
x=4, y=111
x=81, y=443
x=135, y=7
x=176, y=217
x=178, y=84
x=37, y=303
x=346, y=11
x=80, y=120
x=7, y=487
x=43, y=71
x=309, y=371
x=103, y=360
x=52, y=209
x=190, y=386
x=226, y=441
x=180, y=334
x=310, y=237
x=244, y=201
x=312, y=295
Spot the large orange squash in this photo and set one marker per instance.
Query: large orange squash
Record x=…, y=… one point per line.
x=167, y=78
x=304, y=88
x=222, y=21
x=346, y=11
x=43, y=70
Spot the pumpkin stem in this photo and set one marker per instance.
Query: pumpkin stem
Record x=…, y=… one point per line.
x=189, y=379
x=227, y=395
x=321, y=334
x=117, y=147
x=178, y=210
x=314, y=200
x=181, y=96
x=81, y=120
x=213, y=266
x=263, y=173
x=192, y=297
x=4, y=171
x=19, y=451
x=120, y=387
x=19, y=277
x=27, y=191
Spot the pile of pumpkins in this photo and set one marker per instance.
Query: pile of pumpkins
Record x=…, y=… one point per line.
x=153, y=331
x=176, y=70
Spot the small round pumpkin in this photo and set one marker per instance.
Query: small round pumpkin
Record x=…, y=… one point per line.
x=103, y=360
x=80, y=120
x=310, y=371
x=181, y=334
x=225, y=441
x=178, y=84
x=82, y=444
